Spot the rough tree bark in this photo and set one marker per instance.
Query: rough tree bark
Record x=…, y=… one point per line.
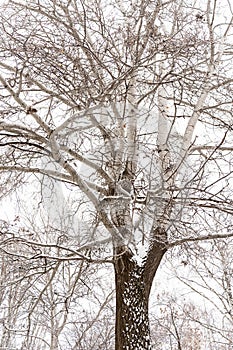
x=133, y=285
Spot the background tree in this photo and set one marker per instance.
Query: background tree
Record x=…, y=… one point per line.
x=129, y=107
x=212, y=280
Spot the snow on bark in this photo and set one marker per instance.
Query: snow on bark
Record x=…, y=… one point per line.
x=132, y=321
x=136, y=332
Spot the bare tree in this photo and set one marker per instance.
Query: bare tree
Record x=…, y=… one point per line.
x=177, y=324
x=128, y=106
x=211, y=279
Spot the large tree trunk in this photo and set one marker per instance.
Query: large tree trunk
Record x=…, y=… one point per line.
x=132, y=323
x=133, y=284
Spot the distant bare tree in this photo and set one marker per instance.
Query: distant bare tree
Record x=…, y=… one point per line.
x=126, y=108
x=177, y=324
x=210, y=277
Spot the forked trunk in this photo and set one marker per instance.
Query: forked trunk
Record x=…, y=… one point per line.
x=133, y=283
